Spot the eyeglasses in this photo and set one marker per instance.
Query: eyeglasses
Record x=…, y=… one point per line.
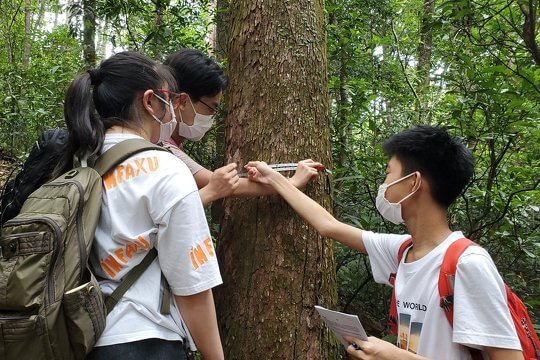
x=214, y=109
x=173, y=97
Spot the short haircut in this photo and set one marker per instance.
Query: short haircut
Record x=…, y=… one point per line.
x=442, y=159
x=197, y=74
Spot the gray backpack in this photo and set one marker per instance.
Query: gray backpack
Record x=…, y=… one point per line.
x=51, y=306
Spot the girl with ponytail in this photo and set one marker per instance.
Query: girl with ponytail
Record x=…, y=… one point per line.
x=150, y=200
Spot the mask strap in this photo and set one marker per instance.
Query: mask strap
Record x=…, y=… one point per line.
x=192, y=106
x=406, y=197
x=411, y=194
x=171, y=108
x=401, y=179
x=162, y=99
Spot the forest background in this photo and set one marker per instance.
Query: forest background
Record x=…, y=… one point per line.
x=472, y=66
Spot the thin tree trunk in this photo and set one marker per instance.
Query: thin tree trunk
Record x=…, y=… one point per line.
x=101, y=42
x=89, y=33
x=219, y=50
x=41, y=14
x=275, y=267
x=27, y=42
x=158, y=38
x=423, y=67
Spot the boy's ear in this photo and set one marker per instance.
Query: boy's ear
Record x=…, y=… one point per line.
x=417, y=181
x=182, y=100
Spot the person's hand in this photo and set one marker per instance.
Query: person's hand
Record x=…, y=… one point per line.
x=305, y=172
x=260, y=172
x=374, y=348
x=223, y=181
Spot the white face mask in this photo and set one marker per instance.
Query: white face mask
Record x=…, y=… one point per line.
x=201, y=124
x=166, y=129
x=391, y=211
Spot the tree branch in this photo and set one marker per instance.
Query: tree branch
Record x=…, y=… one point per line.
x=401, y=62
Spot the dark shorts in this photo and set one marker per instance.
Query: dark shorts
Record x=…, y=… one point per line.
x=155, y=349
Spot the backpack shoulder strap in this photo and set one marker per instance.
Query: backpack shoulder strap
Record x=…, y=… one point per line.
x=129, y=279
x=121, y=152
x=392, y=314
x=406, y=244
x=447, y=275
x=104, y=163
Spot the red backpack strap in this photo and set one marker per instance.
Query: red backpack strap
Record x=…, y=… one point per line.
x=392, y=314
x=447, y=277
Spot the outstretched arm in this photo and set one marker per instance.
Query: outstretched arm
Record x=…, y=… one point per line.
x=224, y=182
x=313, y=213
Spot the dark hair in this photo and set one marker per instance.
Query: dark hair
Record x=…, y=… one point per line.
x=442, y=159
x=99, y=99
x=197, y=74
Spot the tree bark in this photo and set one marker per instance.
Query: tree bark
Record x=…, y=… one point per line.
x=160, y=8
x=218, y=49
x=27, y=42
x=529, y=33
x=89, y=33
x=423, y=67
x=101, y=41
x=274, y=266
x=41, y=14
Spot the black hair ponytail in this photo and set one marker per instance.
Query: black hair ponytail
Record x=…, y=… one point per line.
x=105, y=97
x=86, y=131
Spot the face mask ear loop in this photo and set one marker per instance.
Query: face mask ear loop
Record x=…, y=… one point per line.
x=411, y=194
x=192, y=106
x=171, y=108
x=401, y=179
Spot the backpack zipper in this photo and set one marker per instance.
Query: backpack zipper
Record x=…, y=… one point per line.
x=16, y=317
x=56, y=248
x=528, y=332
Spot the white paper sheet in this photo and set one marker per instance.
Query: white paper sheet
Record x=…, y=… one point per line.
x=342, y=324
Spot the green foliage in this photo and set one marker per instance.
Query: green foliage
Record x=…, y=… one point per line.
x=137, y=25
x=31, y=99
x=484, y=87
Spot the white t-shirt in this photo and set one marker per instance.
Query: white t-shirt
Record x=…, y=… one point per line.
x=151, y=200
x=192, y=165
x=481, y=316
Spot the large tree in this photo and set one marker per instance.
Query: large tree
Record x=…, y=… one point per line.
x=275, y=267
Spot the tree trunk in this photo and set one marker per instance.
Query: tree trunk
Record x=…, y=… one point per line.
x=220, y=36
x=89, y=33
x=41, y=14
x=160, y=8
x=423, y=67
x=27, y=42
x=275, y=267
x=101, y=47
x=219, y=50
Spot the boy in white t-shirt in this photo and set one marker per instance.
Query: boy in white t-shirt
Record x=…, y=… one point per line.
x=427, y=171
x=201, y=83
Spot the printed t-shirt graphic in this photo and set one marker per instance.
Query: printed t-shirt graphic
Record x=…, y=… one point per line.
x=151, y=200
x=481, y=317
